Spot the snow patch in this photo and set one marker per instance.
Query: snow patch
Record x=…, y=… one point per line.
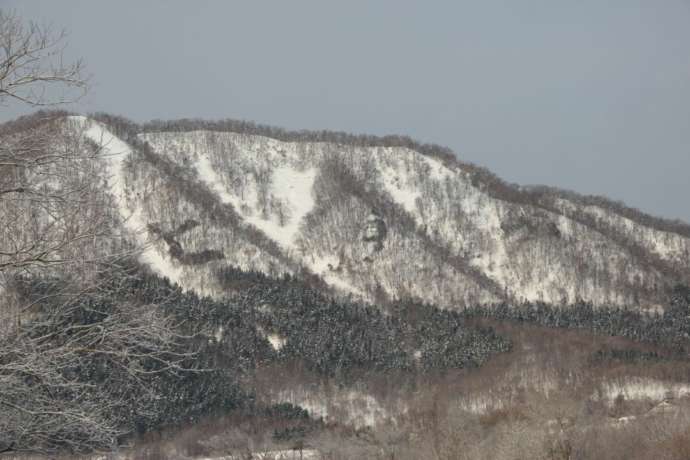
x=323, y=265
x=351, y=407
x=438, y=171
x=396, y=184
x=481, y=404
x=291, y=186
x=641, y=389
x=295, y=187
x=219, y=333
x=277, y=341
x=343, y=285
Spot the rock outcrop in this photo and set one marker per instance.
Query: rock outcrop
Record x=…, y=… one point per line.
x=374, y=233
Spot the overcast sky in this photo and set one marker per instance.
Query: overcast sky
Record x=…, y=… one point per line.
x=588, y=95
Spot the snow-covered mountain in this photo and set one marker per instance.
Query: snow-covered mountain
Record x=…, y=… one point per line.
x=373, y=218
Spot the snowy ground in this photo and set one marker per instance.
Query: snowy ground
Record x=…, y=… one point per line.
x=643, y=389
x=294, y=187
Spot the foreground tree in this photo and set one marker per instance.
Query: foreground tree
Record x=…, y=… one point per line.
x=32, y=67
x=45, y=179
x=81, y=363
x=74, y=376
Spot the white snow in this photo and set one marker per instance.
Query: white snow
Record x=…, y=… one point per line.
x=396, y=184
x=219, y=333
x=342, y=284
x=481, y=404
x=295, y=187
x=643, y=388
x=321, y=263
x=115, y=151
x=438, y=171
x=277, y=341
x=667, y=245
x=213, y=181
x=348, y=406
x=290, y=185
x=625, y=420
x=320, y=266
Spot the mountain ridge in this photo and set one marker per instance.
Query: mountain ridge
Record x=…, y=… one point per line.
x=471, y=237
x=502, y=188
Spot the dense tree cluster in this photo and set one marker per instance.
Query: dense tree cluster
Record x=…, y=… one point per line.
x=198, y=362
x=445, y=340
x=90, y=369
x=670, y=328
x=334, y=335
x=139, y=353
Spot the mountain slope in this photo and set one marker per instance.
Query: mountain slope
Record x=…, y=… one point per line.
x=375, y=221
x=224, y=210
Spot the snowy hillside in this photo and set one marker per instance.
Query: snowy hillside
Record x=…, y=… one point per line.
x=375, y=222
x=359, y=222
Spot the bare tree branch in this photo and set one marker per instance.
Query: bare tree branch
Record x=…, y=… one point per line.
x=78, y=361
x=32, y=65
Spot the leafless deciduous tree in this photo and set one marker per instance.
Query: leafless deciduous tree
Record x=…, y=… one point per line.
x=76, y=364
x=75, y=385
x=44, y=178
x=51, y=198
x=32, y=65
x=53, y=212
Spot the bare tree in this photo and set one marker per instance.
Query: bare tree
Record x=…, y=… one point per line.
x=73, y=378
x=33, y=67
x=45, y=177
x=78, y=360
x=51, y=198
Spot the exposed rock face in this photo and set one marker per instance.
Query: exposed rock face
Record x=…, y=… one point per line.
x=374, y=233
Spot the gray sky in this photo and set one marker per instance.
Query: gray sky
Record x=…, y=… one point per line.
x=589, y=95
